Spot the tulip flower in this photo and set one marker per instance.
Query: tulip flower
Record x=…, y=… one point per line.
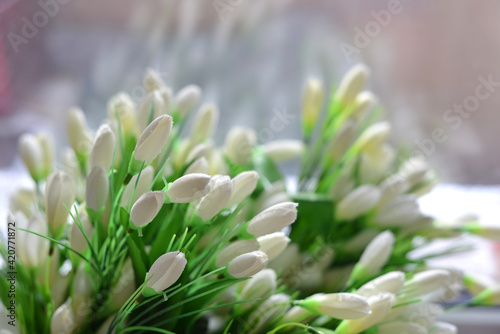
x=443, y=328
x=400, y=211
x=273, y=244
x=390, y=188
x=63, y=320
x=261, y=285
x=24, y=200
x=152, y=139
x=80, y=137
x=187, y=99
x=59, y=196
x=374, y=136
x=239, y=144
x=357, y=202
x=204, y=123
x=247, y=264
x=146, y=208
x=392, y=282
x=103, y=148
x=150, y=109
x=145, y=179
x=152, y=80
x=188, y=188
x=77, y=240
x=374, y=257
x=414, y=170
x=164, y=272
x=379, y=305
x=32, y=250
x=337, y=305
x=243, y=185
x=122, y=106
x=283, y=150
x=32, y=155
x=427, y=281
x=363, y=102
x=351, y=85
x=272, y=308
x=166, y=94
x=217, y=198
x=200, y=166
x=342, y=141
x=97, y=189
x=46, y=141
x=273, y=219
x=312, y=102
x=234, y=249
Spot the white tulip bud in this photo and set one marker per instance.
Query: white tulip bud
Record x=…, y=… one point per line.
x=32, y=155
x=402, y=210
x=376, y=163
x=189, y=188
x=145, y=179
x=125, y=287
x=79, y=135
x=82, y=294
x=272, y=308
x=357, y=202
x=97, y=189
x=362, y=104
x=152, y=139
x=337, y=305
x=187, y=99
x=342, y=141
x=392, y=282
x=273, y=219
x=247, y=264
x=152, y=80
x=380, y=305
x=283, y=150
x=146, y=208
x=205, y=122
x=390, y=188
x=405, y=327
x=243, y=185
x=312, y=102
x=77, y=240
x=123, y=105
x=59, y=195
x=63, y=320
x=374, y=136
x=200, y=150
x=261, y=285
x=375, y=256
x=352, y=84
x=217, y=198
x=234, y=249
x=31, y=249
x=150, y=109
x=217, y=163
x=443, y=328
x=273, y=244
x=358, y=242
x=46, y=141
x=200, y=166
x=24, y=200
x=239, y=144
x=167, y=95
x=426, y=282
x=103, y=147
x=414, y=170
x=164, y=272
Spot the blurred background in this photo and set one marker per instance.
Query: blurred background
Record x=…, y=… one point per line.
x=434, y=67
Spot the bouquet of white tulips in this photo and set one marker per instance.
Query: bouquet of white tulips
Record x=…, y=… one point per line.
x=138, y=230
